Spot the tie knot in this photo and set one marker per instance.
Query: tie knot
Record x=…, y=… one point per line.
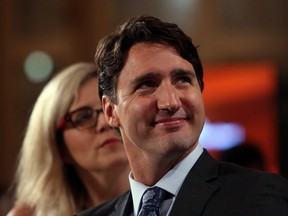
x=153, y=197
x=151, y=201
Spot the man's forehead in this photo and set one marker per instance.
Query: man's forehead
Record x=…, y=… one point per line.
x=149, y=57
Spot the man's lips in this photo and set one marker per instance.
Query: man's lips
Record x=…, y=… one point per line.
x=169, y=121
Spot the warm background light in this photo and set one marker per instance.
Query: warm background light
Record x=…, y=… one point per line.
x=247, y=94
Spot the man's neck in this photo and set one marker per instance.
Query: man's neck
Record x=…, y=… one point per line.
x=149, y=169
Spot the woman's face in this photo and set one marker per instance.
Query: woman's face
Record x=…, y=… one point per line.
x=95, y=149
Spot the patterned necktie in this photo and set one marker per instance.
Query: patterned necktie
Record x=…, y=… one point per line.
x=151, y=201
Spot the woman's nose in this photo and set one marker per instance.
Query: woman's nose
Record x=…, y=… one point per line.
x=102, y=124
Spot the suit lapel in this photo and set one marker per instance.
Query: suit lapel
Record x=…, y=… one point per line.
x=196, y=191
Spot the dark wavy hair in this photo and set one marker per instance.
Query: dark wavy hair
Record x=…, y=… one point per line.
x=111, y=52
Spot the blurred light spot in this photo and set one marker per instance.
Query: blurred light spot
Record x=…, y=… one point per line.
x=182, y=4
x=221, y=135
x=38, y=66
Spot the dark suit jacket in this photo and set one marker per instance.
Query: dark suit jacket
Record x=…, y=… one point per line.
x=216, y=188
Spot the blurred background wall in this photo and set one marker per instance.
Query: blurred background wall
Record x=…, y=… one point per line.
x=228, y=32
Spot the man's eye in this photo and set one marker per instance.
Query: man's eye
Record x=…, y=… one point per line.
x=183, y=80
x=146, y=84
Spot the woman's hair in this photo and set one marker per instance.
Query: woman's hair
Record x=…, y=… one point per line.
x=43, y=181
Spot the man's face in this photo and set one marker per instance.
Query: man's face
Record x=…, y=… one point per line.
x=159, y=106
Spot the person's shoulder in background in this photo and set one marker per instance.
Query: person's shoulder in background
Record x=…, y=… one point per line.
x=20, y=210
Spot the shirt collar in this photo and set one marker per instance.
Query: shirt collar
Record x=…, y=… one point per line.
x=170, y=182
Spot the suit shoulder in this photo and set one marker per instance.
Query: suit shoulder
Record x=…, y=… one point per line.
x=245, y=175
x=104, y=209
x=231, y=168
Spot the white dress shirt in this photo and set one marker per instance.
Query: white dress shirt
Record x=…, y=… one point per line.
x=170, y=182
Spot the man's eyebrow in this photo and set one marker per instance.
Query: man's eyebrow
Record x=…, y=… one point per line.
x=154, y=75
x=180, y=71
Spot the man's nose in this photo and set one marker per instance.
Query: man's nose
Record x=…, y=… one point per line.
x=168, y=98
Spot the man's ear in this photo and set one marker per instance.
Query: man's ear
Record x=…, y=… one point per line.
x=110, y=113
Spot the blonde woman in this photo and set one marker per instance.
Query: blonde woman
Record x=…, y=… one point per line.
x=70, y=159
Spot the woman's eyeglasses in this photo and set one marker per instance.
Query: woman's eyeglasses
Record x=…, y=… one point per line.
x=82, y=118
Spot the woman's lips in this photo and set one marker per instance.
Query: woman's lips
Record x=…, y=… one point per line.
x=110, y=143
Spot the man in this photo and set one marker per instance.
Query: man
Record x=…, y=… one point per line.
x=151, y=83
